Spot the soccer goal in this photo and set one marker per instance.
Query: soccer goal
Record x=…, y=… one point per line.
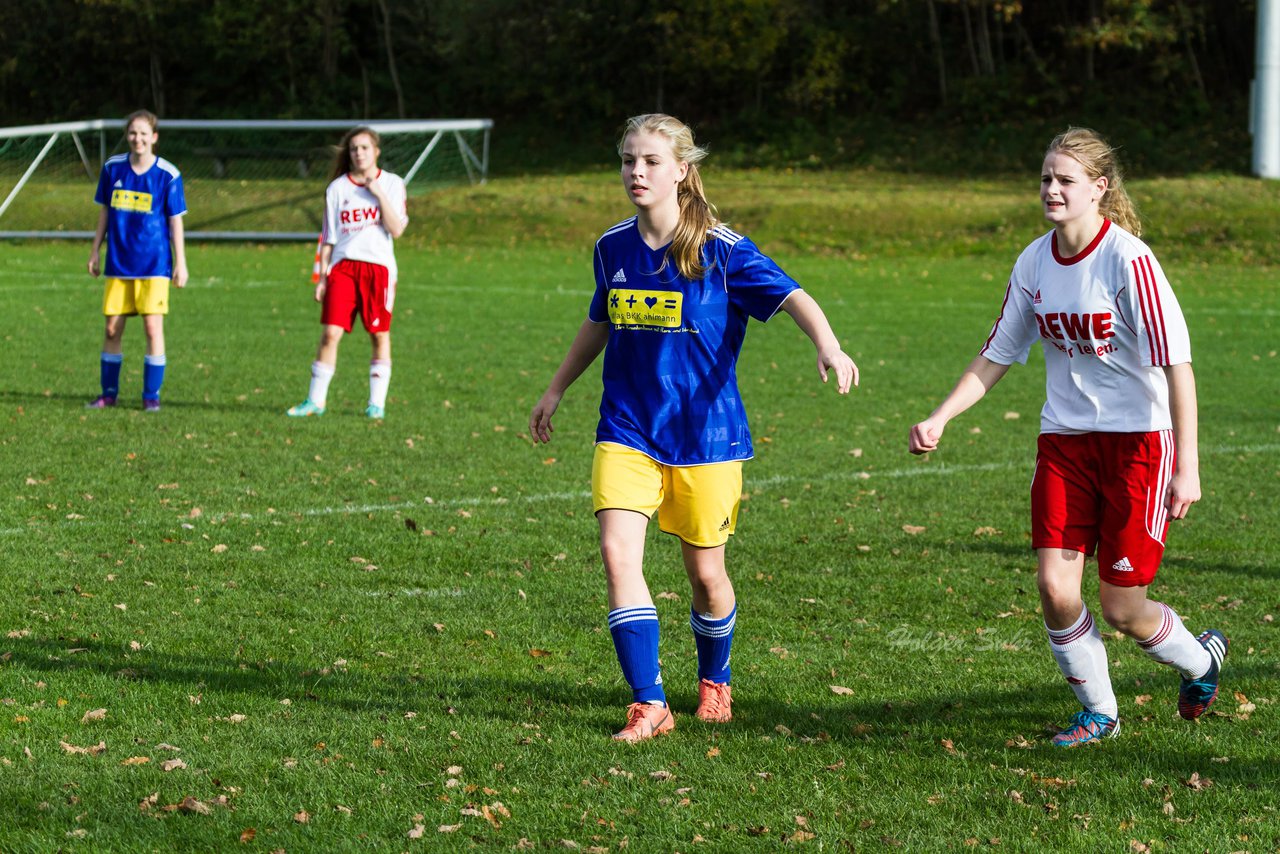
x=244, y=180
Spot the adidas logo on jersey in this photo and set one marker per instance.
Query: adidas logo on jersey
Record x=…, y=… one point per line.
x=1122, y=565
x=118, y=184
x=620, y=276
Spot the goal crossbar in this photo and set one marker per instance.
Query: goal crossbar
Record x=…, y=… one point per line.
x=474, y=158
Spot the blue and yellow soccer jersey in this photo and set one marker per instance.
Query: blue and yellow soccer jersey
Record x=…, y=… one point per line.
x=138, y=211
x=670, y=367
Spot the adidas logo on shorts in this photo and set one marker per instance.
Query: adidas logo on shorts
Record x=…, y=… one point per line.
x=1122, y=565
x=620, y=276
x=724, y=526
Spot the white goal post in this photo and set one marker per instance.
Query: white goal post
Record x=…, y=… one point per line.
x=244, y=179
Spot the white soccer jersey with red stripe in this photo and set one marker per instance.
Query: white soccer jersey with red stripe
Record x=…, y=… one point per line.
x=1108, y=322
x=353, y=221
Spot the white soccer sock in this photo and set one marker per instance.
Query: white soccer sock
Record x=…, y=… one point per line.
x=1083, y=661
x=379, y=380
x=321, y=374
x=1173, y=645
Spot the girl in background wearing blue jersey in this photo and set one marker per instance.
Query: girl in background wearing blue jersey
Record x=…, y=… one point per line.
x=141, y=221
x=674, y=291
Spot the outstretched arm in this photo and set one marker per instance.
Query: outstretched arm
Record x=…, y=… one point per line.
x=1184, y=487
x=975, y=382
x=807, y=314
x=586, y=345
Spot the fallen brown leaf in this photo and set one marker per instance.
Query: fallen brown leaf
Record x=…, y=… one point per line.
x=136, y=760
x=302, y=816
x=247, y=835
x=191, y=805
x=94, y=715
x=94, y=750
x=841, y=690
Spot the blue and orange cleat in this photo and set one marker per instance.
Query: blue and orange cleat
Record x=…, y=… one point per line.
x=1087, y=727
x=1196, y=695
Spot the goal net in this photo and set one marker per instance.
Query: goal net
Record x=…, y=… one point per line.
x=244, y=180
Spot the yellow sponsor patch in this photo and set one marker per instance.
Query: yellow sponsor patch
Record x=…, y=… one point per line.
x=131, y=200
x=645, y=308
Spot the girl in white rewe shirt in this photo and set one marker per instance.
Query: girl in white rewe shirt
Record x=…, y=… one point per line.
x=364, y=213
x=1117, y=454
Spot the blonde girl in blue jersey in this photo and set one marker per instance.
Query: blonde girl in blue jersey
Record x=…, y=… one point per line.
x=141, y=222
x=674, y=291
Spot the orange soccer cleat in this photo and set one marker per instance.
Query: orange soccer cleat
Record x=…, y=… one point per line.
x=713, y=702
x=644, y=721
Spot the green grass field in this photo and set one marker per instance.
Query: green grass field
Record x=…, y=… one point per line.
x=392, y=636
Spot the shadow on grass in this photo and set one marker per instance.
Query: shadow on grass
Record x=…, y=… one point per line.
x=1173, y=569
x=923, y=722
x=133, y=403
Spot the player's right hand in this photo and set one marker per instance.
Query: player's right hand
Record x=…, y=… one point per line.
x=93, y=265
x=540, y=428
x=924, y=437
x=320, y=289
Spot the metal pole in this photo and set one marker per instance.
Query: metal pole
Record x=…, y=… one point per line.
x=1266, y=93
x=22, y=182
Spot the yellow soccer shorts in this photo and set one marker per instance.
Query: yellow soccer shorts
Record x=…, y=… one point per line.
x=698, y=504
x=135, y=296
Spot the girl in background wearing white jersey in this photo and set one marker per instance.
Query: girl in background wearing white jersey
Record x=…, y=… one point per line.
x=1117, y=454
x=675, y=289
x=364, y=212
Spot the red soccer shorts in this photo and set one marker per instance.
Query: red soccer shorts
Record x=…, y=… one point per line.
x=358, y=287
x=1105, y=491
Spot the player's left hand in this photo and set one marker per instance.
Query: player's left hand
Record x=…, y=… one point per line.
x=845, y=370
x=179, y=275
x=1184, y=490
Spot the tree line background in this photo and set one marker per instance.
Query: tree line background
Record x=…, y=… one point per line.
x=912, y=84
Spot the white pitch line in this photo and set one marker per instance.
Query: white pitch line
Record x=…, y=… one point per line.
x=925, y=470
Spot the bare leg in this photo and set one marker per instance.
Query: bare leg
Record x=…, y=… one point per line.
x=622, y=548
x=114, y=337
x=154, y=326
x=708, y=579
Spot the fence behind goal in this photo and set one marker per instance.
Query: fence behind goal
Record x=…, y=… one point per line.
x=244, y=180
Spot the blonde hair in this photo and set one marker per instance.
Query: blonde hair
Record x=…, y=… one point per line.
x=697, y=215
x=342, y=155
x=1095, y=154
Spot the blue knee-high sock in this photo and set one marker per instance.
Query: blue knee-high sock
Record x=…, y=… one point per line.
x=152, y=377
x=714, y=640
x=109, y=373
x=635, y=637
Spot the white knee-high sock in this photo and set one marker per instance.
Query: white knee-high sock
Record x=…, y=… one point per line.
x=321, y=374
x=379, y=381
x=1082, y=659
x=1173, y=645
